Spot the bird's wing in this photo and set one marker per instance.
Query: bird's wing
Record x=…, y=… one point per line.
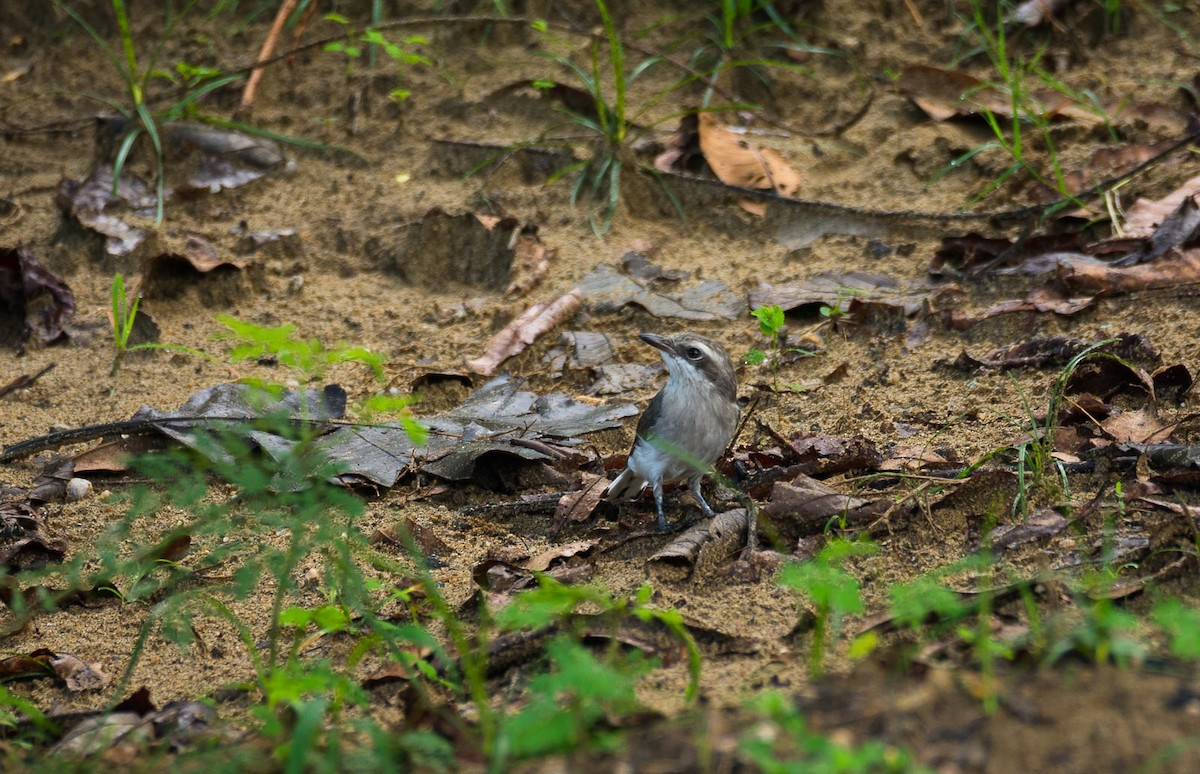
x=652, y=413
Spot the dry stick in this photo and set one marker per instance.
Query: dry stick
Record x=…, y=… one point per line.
x=24, y=380
x=264, y=55
x=915, y=13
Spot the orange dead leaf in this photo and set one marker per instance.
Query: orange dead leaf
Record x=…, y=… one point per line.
x=735, y=161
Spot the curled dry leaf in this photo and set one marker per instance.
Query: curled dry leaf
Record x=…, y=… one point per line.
x=1087, y=274
x=45, y=302
x=735, y=161
x=608, y=289
x=1055, y=352
x=1145, y=215
x=806, y=505
x=914, y=458
x=531, y=261
x=577, y=506
x=1033, y=13
x=203, y=257
x=95, y=206
x=1044, y=523
x=834, y=289
x=707, y=543
x=523, y=331
x=78, y=674
x=548, y=558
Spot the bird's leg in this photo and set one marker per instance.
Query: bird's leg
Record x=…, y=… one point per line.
x=658, y=501
x=694, y=487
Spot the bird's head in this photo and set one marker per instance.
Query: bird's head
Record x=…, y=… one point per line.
x=696, y=360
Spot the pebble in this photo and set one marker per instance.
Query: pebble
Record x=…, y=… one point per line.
x=77, y=489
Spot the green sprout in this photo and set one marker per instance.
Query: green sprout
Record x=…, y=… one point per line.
x=771, y=320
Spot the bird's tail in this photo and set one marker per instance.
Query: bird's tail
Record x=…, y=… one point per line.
x=625, y=486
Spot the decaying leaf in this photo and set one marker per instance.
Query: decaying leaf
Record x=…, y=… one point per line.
x=221, y=158
x=914, y=458
x=496, y=418
x=578, y=505
x=736, y=161
x=1085, y=274
x=535, y=321
x=24, y=541
x=77, y=674
x=1044, y=523
x=1106, y=163
x=531, y=261
x=805, y=506
x=1144, y=216
x=708, y=543
x=845, y=290
x=1139, y=426
x=136, y=726
x=432, y=547
x=1041, y=299
x=32, y=294
x=1056, y=352
x=608, y=289
x=199, y=254
x=945, y=94
x=94, y=205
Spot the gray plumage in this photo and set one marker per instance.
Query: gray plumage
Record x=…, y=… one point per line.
x=687, y=425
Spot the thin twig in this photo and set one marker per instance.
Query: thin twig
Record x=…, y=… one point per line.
x=264, y=56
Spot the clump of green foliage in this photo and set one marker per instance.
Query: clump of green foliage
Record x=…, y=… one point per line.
x=402, y=53
x=832, y=591
x=600, y=175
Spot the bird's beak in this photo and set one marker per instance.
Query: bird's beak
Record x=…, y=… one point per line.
x=659, y=342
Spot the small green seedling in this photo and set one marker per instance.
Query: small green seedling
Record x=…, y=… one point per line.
x=122, y=315
x=401, y=53
x=838, y=313
x=770, y=324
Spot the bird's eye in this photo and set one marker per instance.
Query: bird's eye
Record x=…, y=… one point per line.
x=693, y=353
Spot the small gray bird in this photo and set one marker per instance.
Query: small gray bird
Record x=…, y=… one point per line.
x=687, y=425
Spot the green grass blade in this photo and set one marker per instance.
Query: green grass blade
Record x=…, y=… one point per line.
x=122, y=156
x=135, y=89
x=160, y=172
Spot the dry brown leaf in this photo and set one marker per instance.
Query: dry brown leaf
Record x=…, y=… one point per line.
x=716, y=539
x=1140, y=426
x=735, y=161
x=912, y=458
x=578, y=505
x=1082, y=273
x=523, y=331
x=531, y=261
x=545, y=559
x=945, y=94
x=1144, y=217
x=1044, y=523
